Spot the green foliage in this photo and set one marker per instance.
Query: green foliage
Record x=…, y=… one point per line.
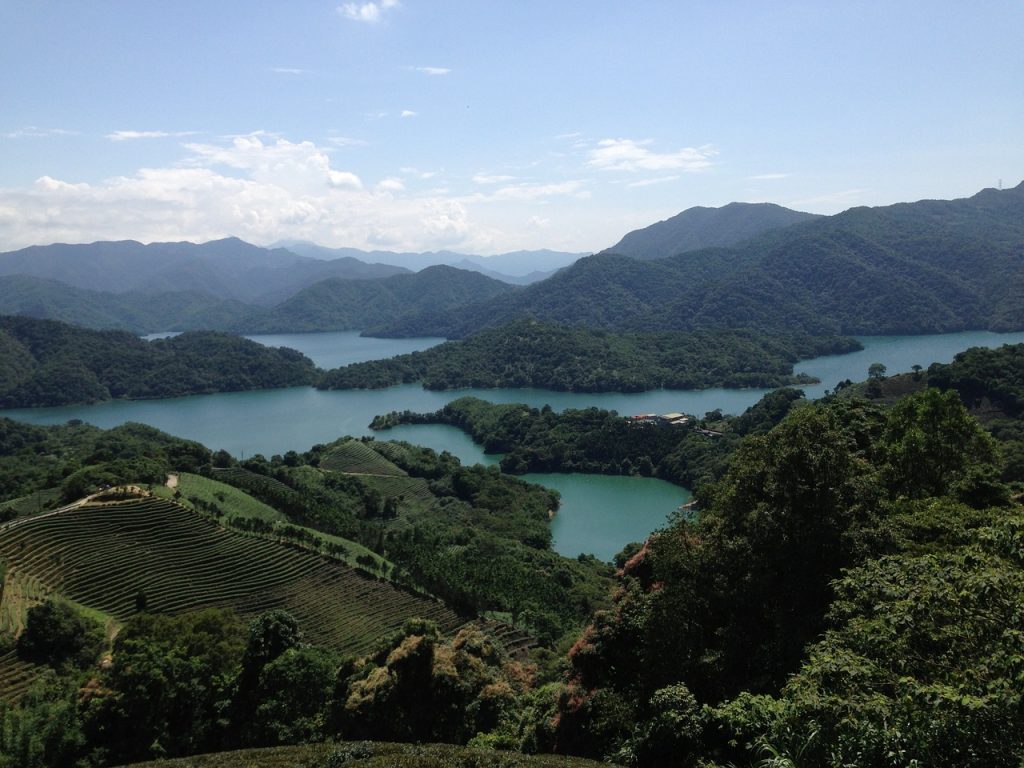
x=921, y=666
x=729, y=602
x=56, y=634
x=163, y=693
x=924, y=267
x=57, y=364
x=337, y=304
x=531, y=354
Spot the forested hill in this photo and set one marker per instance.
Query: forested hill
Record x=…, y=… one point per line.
x=338, y=305
x=930, y=266
x=558, y=357
x=44, y=362
x=103, y=310
x=701, y=227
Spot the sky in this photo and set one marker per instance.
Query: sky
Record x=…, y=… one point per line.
x=486, y=127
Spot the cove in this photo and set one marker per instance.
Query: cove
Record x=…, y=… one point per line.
x=600, y=514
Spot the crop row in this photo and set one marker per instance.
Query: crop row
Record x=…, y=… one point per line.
x=407, y=488
x=357, y=458
x=243, y=478
x=115, y=556
x=16, y=676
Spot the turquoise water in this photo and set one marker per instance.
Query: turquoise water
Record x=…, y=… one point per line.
x=275, y=421
x=600, y=514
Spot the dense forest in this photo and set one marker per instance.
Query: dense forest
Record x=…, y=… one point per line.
x=924, y=267
x=594, y=440
x=528, y=353
x=44, y=362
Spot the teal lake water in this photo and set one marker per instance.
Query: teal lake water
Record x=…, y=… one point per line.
x=275, y=421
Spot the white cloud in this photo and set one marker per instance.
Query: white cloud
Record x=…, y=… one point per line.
x=433, y=70
x=409, y=113
x=484, y=178
x=131, y=135
x=526, y=191
x=347, y=141
x=33, y=132
x=258, y=187
x=650, y=182
x=370, y=12
x=289, y=71
x=409, y=170
x=768, y=176
x=630, y=155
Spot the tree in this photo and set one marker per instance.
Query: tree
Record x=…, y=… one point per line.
x=56, y=634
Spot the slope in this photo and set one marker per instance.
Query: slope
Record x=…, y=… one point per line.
x=105, y=554
x=45, y=362
x=336, y=305
x=930, y=266
x=700, y=227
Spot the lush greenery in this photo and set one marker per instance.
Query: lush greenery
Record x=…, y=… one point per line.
x=597, y=441
x=372, y=754
x=45, y=362
x=849, y=594
x=991, y=384
x=338, y=304
x=823, y=607
x=533, y=354
x=922, y=267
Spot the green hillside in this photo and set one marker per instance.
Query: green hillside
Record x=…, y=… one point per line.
x=148, y=312
x=701, y=227
x=45, y=362
x=339, y=305
x=105, y=555
x=529, y=353
x=925, y=267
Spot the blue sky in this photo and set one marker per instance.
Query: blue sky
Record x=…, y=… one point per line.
x=486, y=126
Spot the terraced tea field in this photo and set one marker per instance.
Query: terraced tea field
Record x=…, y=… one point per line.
x=102, y=555
x=355, y=457
x=16, y=676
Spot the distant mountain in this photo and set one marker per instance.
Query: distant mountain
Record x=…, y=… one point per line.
x=335, y=305
x=929, y=266
x=229, y=268
x=700, y=227
x=137, y=312
x=518, y=267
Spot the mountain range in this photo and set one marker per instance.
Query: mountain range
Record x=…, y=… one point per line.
x=928, y=266
x=925, y=267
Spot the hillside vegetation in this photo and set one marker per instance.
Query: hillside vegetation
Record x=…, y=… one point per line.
x=372, y=754
x=925, y=267
x=341, y=305
x=534, y=354
x=44, y=362
x=117, y=556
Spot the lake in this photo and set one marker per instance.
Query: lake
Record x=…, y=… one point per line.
x=275, y=421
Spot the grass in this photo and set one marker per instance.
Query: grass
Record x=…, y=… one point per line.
x=372, y=754
x=215, y=495
x=103, y=556
x=33, y=504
